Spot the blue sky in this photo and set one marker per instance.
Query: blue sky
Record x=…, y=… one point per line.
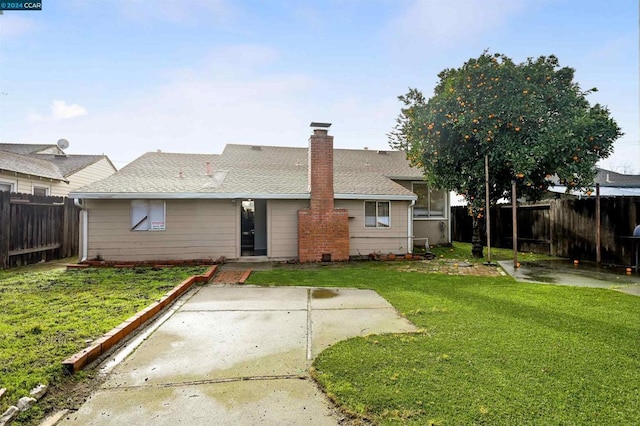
x=126, y=77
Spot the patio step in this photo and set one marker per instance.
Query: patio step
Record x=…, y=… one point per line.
x=231, y=276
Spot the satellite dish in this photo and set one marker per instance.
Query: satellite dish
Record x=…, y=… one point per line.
x=63, y=144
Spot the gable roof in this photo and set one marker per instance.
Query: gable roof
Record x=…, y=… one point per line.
x=254, y=171
x=28, y=159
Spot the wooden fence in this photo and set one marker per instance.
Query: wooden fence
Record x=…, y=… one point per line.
x=565, y=228
x=35, y=228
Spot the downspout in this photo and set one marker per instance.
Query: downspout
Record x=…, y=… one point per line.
x=410, y=226
x=84, y=216
x=448, y=210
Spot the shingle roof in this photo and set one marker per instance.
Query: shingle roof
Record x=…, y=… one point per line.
x=608, y=178
x=156, y=172
x=29, y=166
x=257, y=172
x=612, y=184
x=27, y=148
x=69, y=164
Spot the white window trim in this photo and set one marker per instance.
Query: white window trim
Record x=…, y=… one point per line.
x=446, y=206
x=12, y=183
x=47, y=189
x=364, y=209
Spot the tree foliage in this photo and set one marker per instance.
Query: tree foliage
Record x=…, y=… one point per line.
x=531, y=119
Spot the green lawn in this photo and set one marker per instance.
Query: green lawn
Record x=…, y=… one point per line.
x=491, y=350
x=462, y=251
x=46, y=315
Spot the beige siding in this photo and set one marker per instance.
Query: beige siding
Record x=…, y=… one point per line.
x=436, y=230
x=25, y=185
x=282, y=233
x=97, y=171
x=55, y=189
x=195, y=229
x=369, y=240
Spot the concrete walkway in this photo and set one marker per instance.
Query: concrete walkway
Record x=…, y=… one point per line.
x=237, y=355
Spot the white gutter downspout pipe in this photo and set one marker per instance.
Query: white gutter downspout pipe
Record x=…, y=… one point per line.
x=84, y=242
x=410, y=226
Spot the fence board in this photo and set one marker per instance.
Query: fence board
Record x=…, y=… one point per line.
x=36, y=228
x=561, y=227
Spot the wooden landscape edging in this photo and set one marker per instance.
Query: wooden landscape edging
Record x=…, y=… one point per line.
x=80, y=359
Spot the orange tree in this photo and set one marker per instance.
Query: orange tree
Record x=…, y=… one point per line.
x=531, y=119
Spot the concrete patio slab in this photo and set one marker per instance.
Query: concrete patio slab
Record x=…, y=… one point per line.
x=280, y=401
x=237, y=355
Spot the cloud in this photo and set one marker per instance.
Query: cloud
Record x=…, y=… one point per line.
x=61, y=111
x=443, y=24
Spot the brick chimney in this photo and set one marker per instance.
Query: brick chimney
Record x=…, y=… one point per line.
x=323, y=231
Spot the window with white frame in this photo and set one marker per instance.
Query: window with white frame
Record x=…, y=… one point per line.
x=431, y=203
x=6, y=186
x=377, y=214
x=148, y=215
x=42, y=191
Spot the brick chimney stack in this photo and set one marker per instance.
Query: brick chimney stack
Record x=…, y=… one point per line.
x=321, y=170
x=323, y=231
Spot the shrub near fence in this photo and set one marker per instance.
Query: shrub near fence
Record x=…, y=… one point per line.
x=35, y=228
x=565, y=228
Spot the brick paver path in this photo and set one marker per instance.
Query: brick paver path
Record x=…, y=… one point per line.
x=228, y=277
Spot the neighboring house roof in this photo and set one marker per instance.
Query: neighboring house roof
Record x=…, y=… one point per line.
x=246, y=171
x=16, y=163
x=612, y=184
x=29, y=148
x=608, y=178
x=28, y=159
x=70, y=164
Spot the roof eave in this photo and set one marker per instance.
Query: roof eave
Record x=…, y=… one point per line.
x=227, y=196
x=33, y=176
x=183, y=195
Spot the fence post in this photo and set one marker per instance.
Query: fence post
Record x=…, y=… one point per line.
x=5, y=228
x=598, y=236
x=514, y=218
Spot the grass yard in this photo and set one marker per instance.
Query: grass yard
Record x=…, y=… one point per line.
x=490, y=350
x=462, y=251
x=48, y=314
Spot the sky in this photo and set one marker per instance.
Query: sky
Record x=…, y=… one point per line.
x=124, y=77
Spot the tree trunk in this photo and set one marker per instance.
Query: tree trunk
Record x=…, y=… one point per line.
x=476, y=239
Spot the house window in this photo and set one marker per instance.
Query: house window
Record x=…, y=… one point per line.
x=41, y=191
x=6, y=186
x=147, y=215
x=431, y=203
x=376, y=214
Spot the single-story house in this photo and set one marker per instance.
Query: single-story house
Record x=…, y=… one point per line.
x=46, y=170
x=315, y=204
